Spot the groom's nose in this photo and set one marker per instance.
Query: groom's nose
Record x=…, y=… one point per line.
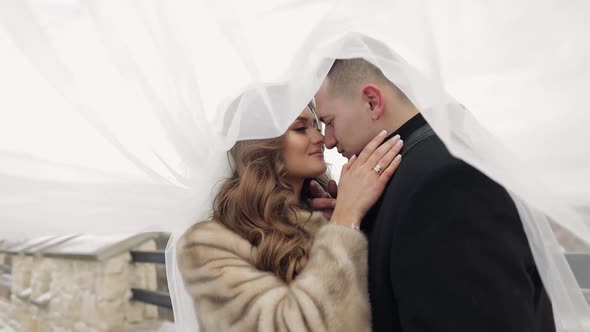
x=330, y=140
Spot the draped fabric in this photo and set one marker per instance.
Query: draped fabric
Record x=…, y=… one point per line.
x=116, y=116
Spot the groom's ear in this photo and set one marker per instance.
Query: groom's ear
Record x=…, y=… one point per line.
x=374, y=98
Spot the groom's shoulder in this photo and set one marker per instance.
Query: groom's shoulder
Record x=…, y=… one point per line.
x=429, y=156
x=430, y=164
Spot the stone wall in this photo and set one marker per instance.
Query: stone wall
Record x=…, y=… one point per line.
x=5, y=282
x=73, y=294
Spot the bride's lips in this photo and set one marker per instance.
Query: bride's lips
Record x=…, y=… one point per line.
x=317, y=153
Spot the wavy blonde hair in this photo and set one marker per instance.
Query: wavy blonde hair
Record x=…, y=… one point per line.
x=257, y=203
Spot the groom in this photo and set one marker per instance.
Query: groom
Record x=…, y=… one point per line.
x=447, y=249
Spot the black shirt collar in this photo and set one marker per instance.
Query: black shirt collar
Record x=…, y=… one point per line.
x=409, y=127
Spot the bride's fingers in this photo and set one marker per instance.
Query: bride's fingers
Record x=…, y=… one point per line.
x=371, y=147
x=392, y=144
x=347, y=166
x=387, y=159
x=388, y=172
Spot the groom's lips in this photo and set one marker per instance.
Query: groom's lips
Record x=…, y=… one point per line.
x=343, y=152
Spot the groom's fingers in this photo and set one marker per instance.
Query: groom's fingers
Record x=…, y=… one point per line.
x=371, y=147
x=322, y=203
x=315, y=190
x=333, y=189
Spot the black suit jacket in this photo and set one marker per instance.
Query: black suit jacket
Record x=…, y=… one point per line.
x=447, y=249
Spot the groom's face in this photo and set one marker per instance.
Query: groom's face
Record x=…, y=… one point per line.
x=345, y=118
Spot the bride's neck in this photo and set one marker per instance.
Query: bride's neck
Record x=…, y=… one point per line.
x=297, y=185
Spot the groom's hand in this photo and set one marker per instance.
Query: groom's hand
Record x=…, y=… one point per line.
x=322, y=200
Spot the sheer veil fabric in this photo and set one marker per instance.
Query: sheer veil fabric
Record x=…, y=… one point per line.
x=116, y=115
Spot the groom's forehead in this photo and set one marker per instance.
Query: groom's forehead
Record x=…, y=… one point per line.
x=320, y=108
x=323, y=110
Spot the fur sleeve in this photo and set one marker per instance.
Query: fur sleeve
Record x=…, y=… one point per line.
x=231, y=294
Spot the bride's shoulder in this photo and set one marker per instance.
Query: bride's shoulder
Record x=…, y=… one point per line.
x=210, y=239
x=207, y=231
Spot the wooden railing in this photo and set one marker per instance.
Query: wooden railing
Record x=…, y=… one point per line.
x=157, y=298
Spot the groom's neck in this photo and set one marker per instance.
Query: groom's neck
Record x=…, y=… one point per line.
x=399, y=117
x=408, y=127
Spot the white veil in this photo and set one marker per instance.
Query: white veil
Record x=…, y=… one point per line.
x=116, y=115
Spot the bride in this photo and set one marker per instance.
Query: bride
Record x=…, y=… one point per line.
x=265, y=261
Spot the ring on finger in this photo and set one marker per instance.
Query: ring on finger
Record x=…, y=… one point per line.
x=378, y=169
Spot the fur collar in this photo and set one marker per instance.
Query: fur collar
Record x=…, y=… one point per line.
x=309, y=221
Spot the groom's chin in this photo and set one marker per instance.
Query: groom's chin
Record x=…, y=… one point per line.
x=347, y=154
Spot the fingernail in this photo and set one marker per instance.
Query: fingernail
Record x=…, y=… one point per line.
x=399, y=143
x=383, y=133
x=397, y=158
x=396, y=137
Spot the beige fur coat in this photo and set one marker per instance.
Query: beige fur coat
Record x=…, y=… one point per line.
x=231, y=294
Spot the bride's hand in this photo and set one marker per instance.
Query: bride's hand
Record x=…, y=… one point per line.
x=361, y=184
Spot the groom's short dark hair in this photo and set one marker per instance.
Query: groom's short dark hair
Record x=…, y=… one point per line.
x=347, y=74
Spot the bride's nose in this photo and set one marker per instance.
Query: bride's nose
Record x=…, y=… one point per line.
x=317, y=137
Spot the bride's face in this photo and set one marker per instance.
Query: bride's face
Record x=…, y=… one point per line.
x=303, y=148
